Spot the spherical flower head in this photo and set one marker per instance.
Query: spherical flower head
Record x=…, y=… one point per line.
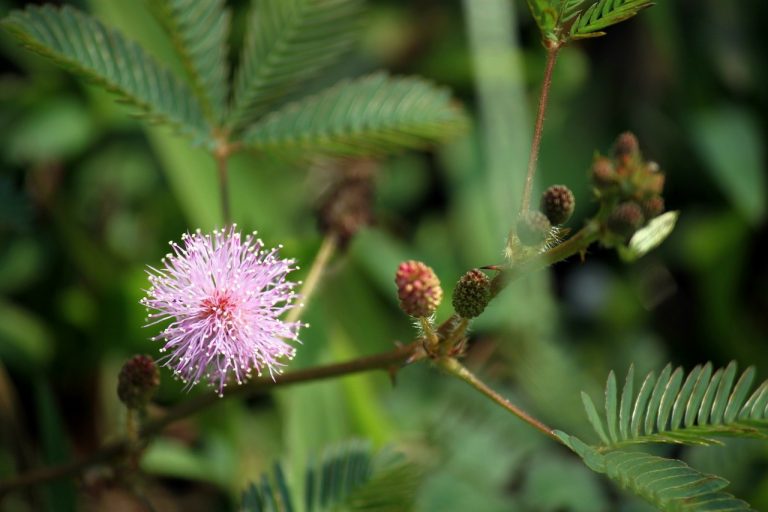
x=603, y=173
x=223, y=294
x=558, y=203
x=418, y=289
x=138, y=381
x=472, y=294
x=627, y=147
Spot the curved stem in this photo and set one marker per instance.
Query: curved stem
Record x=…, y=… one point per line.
x=323, y=257
x=458, y=370
x=116, y=449
x=539, y=127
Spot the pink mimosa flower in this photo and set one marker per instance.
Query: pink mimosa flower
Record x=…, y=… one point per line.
x=224, y=295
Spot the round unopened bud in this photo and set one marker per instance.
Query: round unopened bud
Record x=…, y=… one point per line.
x=654, y=183
x=346, y=207
x=533, y=228
x=626, y=146
x=652, y=207
x=625, y=219
x=418, y=289
x=472, y=294
x=138, y=381
x=558, y=203
x=603, y=173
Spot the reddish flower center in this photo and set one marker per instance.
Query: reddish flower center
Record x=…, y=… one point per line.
x=218, y=307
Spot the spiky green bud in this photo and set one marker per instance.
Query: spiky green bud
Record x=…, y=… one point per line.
x=472, y=294
x=558, y=203
x=138, y=381
x=533, y=228
x=418, y=289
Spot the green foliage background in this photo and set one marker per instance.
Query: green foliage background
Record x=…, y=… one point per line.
x=88, y=197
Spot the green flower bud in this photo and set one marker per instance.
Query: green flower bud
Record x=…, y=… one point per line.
x=533, y=228
x=472, y=294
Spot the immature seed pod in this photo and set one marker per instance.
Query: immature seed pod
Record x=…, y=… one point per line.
x=138, y=381
x=558, y=203
x=418, y=289
x=625, y=219
x=472, y=294
x=533, y=228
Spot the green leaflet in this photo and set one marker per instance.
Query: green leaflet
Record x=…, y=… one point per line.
x=604, y=13
x=668, y=484
x=82, y=44
x=348, y=477
x=287, y=43
x=677, y=409
x=199, y=32
x=370, y=115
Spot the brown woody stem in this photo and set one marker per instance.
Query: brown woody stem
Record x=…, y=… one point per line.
x=116, y=449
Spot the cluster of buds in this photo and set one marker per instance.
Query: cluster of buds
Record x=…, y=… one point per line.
x=628, y=188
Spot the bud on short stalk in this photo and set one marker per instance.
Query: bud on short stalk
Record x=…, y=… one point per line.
x=472, y=294
x=558, y=203
x=138, y=381
x=533, y=228
x=418, y=289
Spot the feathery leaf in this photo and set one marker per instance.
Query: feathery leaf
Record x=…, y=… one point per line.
x=668, y=484
x=370, y=115
x=287, y=43
x=604, y=13
x=349, y=477
x=199, y=32
x=85, y=46
x=684, y=410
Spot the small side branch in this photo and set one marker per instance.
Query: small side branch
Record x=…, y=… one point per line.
x=456, y=369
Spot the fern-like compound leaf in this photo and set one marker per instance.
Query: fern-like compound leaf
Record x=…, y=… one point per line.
x=199, y=32
x=602, y=14
x=288, y=42
x=349, y=477
x=85, y=46
x=371, y=115
x=668, y=484
x=675, y=408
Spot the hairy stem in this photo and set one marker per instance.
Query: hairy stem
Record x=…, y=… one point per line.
x=458, y=370
x=539, y=127
x=116, y=449
x=323, y=257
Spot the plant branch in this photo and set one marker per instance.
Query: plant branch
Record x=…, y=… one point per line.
x=116, y=449
x=323, y=257
x=458, y=370
x=539, y=126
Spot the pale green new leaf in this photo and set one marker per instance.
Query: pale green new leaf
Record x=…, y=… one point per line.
x=604, y=13
x=350, y=477
x=199, y=31
x=82, y=44
x=693, y=409
x=650, y=236
x=668, y=484
x=370, y=115
x=287, y=43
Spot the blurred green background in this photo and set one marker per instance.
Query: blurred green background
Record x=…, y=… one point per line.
x=89, y=196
